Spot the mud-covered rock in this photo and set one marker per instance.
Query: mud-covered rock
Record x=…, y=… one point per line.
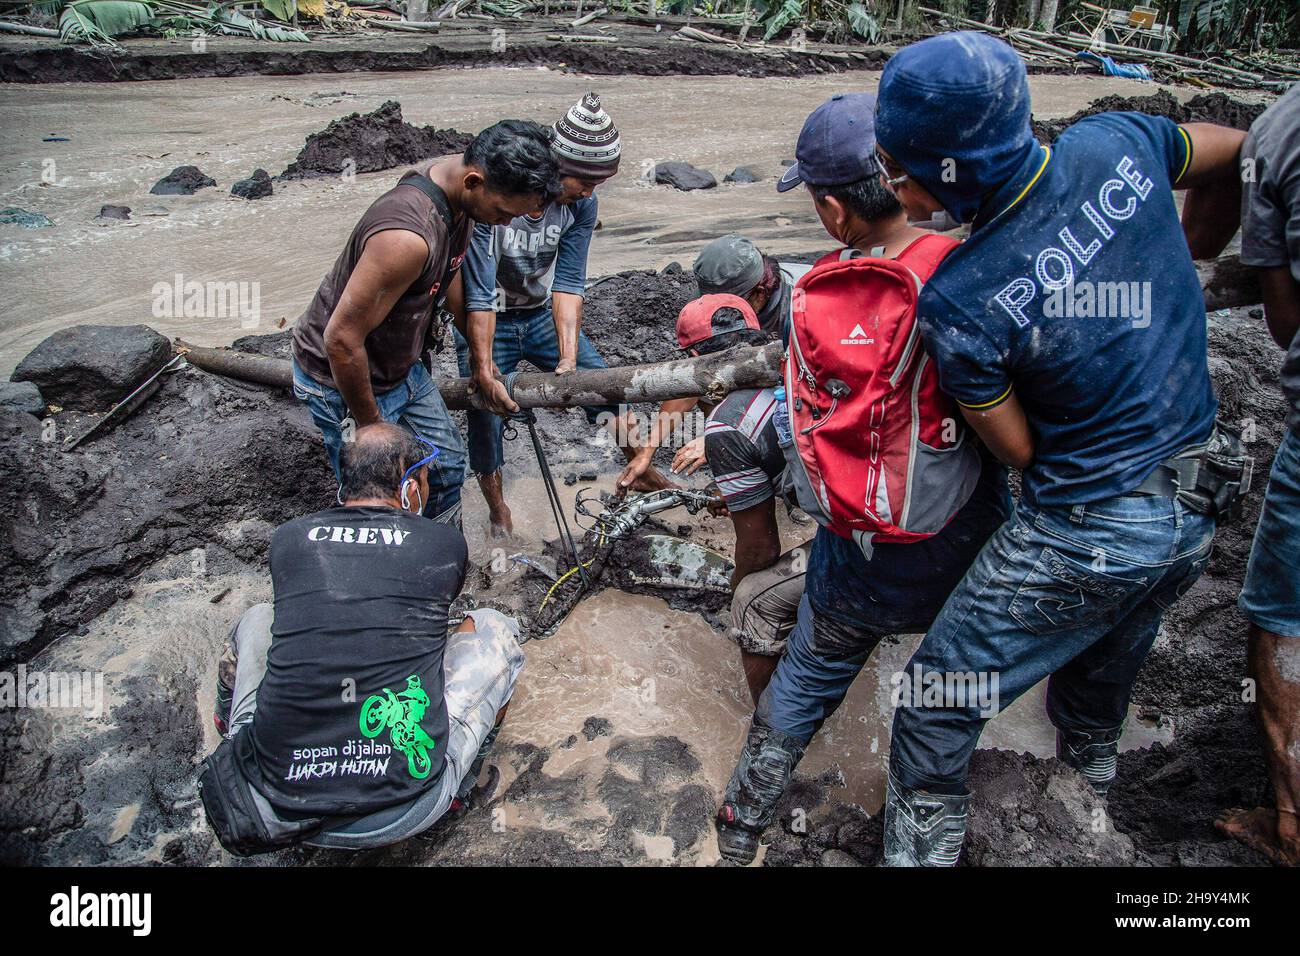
x=21, y=397
x=684, y=176
x=744, y=174
x=594, y=727
x=367, y=142
x=182, y=181
x=114, y=212
x=90, y=367
x=256, y=186
x=12, y=215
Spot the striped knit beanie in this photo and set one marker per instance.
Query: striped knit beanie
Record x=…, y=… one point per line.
x=586, y=141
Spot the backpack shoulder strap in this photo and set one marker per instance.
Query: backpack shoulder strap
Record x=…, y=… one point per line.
x=435, y=194
x=924, y=255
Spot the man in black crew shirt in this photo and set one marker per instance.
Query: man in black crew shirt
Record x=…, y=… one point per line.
x=349, y=699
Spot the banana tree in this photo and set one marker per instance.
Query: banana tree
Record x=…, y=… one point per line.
x=99, y=22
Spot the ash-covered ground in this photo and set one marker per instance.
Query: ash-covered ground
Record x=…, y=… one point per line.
x=133, y=554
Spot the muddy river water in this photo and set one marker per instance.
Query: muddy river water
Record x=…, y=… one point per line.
x=123, y=137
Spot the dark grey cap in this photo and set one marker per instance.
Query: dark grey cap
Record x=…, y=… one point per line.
x=730, y=265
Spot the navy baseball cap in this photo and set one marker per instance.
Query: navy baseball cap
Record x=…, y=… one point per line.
x=837, y=145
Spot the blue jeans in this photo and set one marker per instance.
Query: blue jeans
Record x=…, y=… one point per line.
x=822, y=658
x=1271, y=596
x=521, y=334
x=416, y=404
x=1077, y=593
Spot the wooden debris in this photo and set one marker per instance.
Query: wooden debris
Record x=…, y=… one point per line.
x=581, y=21
x=27, y=30
x=580, y=38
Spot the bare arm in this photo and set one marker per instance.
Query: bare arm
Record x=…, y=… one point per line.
x=481, y=329
x=670, y=415
x=566, y=308
x=1212, y=209
x=1281, y=304
x=758, y=543
x=389, y=263
x=455, y=300
x=1005, y=429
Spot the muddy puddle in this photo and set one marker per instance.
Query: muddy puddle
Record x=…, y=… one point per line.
x=122, y=138
x=654, y=670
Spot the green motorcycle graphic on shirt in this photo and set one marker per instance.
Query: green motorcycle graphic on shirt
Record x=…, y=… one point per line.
x=401, y=715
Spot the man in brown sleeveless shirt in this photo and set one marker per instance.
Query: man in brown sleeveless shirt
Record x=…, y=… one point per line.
x=357, y=348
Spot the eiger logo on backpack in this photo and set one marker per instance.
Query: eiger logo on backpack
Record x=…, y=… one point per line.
x=858, y=337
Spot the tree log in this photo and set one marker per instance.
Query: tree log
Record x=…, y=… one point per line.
x=1225, y=282
x=709, y=376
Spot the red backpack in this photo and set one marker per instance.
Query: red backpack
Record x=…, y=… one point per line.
x=878, y=452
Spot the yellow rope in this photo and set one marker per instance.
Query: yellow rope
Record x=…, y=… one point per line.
x=568, y=574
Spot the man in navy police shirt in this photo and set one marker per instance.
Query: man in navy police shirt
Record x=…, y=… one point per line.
x=1070, y=327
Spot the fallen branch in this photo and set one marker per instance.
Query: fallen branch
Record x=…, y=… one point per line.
x=702, y=36
x=589, y=17
x=405, y=26
x=7, y=27
x=581, y=38
x=710, y=376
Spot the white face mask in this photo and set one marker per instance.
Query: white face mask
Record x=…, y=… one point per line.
x=406, y=499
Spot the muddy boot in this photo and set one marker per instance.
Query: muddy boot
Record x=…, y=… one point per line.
x=1093, y=753
x=225, y=696
x=468, y=794
x=749, y=806
x=923, y=829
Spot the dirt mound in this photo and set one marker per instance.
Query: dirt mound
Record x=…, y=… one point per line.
x=366, y=142
x=655, y=58
x=201, y=454
x=1024, y=812
x=632, y=316
x=1207, y=108
x=632, y=800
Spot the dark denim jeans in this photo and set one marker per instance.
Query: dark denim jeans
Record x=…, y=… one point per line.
x=1077, y=593
x=522, y=334
x=418, y=405
x=821, y=661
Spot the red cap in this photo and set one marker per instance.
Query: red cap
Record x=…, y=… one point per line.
x=710, y=315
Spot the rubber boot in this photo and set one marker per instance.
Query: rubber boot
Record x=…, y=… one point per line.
x=468, y=793
x=1094, y=754
x=749, y=805
x=225, y=695
x=923, y=829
